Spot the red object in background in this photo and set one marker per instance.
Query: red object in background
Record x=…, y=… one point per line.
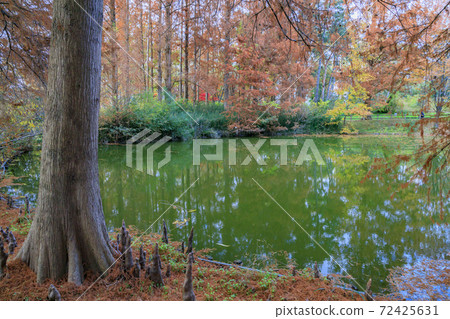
x=202, y=97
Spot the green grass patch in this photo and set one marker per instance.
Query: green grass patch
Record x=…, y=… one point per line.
x=386, y=126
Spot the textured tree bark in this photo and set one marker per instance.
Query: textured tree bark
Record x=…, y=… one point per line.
x=68, y=235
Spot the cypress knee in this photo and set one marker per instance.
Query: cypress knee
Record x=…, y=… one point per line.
x=188, y=291
x=190, y=241
x=154, y=271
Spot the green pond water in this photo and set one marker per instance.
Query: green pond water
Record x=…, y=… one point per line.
x=365, y=230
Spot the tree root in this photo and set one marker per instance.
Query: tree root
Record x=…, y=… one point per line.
x=3, y=258
x=136, y=269
x=154, y=270
x=190, y=241
x=4, y=233
x=316, y=271
x=53, y=294
x=188, y=291
x=142, y=257
x=182, y=247
x=12, y=243
x=165, y=238
x=368, y=292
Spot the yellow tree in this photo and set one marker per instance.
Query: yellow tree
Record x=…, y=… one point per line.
x=353, y=96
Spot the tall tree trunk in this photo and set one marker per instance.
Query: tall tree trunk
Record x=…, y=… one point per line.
x=114, y=65
x=180, y=82
x=325, y=68
x=196, y=54
x=68, y=234
x=186, y=52
x=227, y=59
x=152, y=68
x=207, y=74
x=160, y=53
x=330, y=87
x=141, y=42
x=127, y=51
x=168, y=47
x=316, y=95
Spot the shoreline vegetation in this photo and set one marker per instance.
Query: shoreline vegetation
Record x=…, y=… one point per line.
x=184, y=120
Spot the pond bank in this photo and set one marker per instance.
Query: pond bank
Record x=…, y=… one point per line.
x=210, y=281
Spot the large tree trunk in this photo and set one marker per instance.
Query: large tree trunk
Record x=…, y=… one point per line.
x=68, y=234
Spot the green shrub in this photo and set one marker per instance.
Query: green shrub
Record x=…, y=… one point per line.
x=176, y=119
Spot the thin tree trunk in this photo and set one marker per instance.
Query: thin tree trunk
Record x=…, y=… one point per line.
x=316, y=96
x=324, y=80
x=186, y=52
x=226, y=75
x=114, y=66
x=180, y=82
x=330, y=87
x=127, y=51
x=195, y=88
x=207, y=73
x=152, y=68
x=68, y=234
x=141, y=22
x=160, y=53
x=168, y=47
